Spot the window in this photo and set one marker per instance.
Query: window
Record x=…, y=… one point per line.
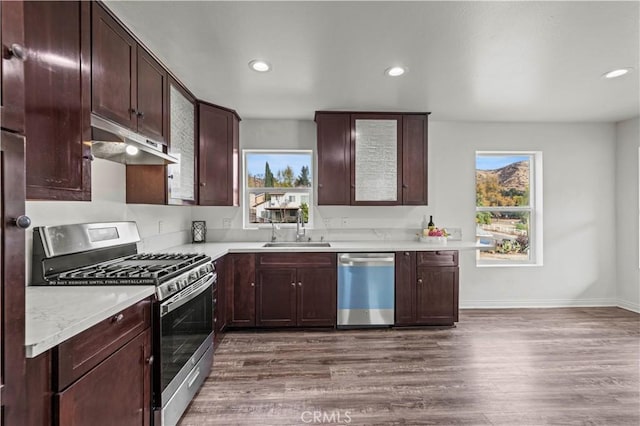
x=509, y=207
x=277, y=184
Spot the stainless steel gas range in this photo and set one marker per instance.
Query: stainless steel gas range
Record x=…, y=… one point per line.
x=182, y=323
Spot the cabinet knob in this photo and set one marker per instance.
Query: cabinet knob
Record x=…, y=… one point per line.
x=117, y=318
x=320, y=185
x=140, y=114
x=149, y=360
x=405, y=186
x=88, y=157
x=293, y=284
x=419, y=280
x=406, y=253
x=22, y=222
x=299, y=284
x=17, y=51
x=133, y=111
x=170, y=177
x=253, y=284
x=203, y=183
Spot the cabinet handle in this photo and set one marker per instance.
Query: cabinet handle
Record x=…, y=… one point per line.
x=133, y=111
x=203, y=183
x=140, y=114
x=215, y=300
x=17, y=51
x=149, y=360
x=405, y=186
x=253, y=284
x=116, y=319
x=88, y=157
x=22, y=222
x=293, y=284
x=320, y=185
x=419, y=280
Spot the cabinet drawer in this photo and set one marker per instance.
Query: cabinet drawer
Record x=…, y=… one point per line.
x=84, y=351
x=437, y=258
x=296, y=259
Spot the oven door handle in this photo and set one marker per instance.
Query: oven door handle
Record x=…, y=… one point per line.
x=176, y=301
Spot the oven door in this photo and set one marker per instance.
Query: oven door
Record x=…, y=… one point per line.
x=186, y=333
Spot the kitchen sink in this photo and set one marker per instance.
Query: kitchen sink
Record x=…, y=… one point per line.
x=294, y=244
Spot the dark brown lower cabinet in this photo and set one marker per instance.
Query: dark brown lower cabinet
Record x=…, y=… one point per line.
x=427, y=288
x=296, y=289
x=219, y=305
x=240, y=297
x=116, y=392
x=101, y=376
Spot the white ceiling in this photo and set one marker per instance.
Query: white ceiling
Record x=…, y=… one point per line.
x=477, y=61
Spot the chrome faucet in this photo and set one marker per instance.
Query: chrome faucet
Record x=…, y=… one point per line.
x=273, y=231
x=300, y=224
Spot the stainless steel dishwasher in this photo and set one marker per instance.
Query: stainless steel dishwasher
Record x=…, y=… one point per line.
x=366, y=289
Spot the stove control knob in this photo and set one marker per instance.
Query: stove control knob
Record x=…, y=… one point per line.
x=171, y=287
x=193, y=276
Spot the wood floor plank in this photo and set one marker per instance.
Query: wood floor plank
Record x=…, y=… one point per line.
x=497, y=367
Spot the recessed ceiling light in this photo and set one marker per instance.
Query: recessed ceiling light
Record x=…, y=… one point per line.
x=260, y=65
x=395, y=71
x=131, y=150
x=617, y=73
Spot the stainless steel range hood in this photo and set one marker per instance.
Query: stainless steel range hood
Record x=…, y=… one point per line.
x=109, y=141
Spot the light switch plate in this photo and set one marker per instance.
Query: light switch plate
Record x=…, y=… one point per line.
x=226, y=223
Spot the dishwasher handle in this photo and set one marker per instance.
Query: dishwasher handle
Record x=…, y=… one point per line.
x=366, y=259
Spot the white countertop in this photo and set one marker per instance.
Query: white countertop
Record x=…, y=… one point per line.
x=216, y=250
x=55, y=313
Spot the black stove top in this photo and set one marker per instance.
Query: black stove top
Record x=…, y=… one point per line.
x=140, y=268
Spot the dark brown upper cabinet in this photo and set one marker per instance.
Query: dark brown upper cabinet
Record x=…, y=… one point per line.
x=129, y=87
x=372, y=158
x=58, y=100
x=218, y=156
x=14, y=54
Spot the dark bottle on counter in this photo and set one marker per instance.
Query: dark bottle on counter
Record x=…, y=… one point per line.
x=431, y=225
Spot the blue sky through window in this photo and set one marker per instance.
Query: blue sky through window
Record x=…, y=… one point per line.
x=256, y=162
x=493, y=162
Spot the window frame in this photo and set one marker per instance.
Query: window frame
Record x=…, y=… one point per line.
x=534, y=209
x=246, y=190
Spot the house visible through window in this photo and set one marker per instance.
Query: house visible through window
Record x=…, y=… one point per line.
x=508, y=207
x=278, y=185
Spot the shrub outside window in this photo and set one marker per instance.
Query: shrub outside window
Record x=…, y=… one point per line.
x=277, y=184
x=508, y=207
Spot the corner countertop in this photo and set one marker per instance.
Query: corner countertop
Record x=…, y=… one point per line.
x=216, y=250
x=55, y=313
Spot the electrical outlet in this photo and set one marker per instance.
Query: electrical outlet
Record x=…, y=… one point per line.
x=455, y=234
x=327, y=222
x=160, y=227
x=226, y=223
x=344, y=222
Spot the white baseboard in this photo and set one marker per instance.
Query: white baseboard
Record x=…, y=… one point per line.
x=629, y=306
x=542, y=303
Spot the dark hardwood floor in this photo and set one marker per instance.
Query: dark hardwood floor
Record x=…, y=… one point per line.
x=497, y=367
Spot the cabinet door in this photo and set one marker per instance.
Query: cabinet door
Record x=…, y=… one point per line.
x=241, y=297
x=276, y=297
x=58, y=99
x=334, y=159
x=217, y=157
x=12, y=250
x=152, y=97
x=116, y=392
x=376, y=159
x=113, y=70
x=181, y=177
x=316, y=296
x=437, y=295
x=414, y=159
x=12, y=66
x=405, y=288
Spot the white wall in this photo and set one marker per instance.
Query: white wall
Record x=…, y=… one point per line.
x=160, y=227
x=627, y=154
x=579, y=199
